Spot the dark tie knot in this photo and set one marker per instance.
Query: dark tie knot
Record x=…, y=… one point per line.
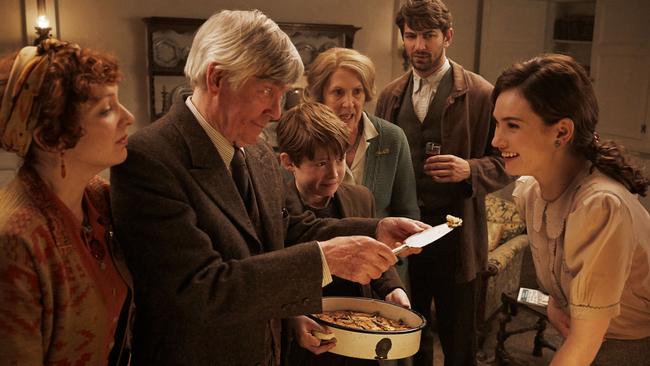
x=238, y=159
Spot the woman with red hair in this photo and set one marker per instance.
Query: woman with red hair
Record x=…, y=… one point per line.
x=65, y=294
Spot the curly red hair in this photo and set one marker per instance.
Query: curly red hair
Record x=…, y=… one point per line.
x=69, y=80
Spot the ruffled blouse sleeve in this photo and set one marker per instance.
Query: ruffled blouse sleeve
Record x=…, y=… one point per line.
x=599, y=246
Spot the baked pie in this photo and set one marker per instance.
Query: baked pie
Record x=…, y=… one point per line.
x=361, y=320
x=453, y=221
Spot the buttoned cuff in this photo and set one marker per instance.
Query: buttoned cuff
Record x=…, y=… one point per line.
x=327, y=275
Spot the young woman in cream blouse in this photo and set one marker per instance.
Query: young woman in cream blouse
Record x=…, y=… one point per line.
x=589, y=234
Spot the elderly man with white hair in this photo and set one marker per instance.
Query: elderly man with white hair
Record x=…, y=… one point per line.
x=199, y=210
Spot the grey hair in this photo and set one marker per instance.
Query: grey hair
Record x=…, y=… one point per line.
x=243, y=44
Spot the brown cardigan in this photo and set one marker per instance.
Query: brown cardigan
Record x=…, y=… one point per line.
x=51, y=311
x=467, y=130
x=353, y=201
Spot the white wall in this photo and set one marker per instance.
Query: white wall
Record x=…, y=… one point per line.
x=464, y=16
x=11, y=27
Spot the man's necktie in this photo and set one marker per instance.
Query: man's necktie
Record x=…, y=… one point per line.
x=422, y=99
x=240, y=176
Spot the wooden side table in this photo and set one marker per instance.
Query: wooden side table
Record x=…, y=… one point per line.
x=509, y=308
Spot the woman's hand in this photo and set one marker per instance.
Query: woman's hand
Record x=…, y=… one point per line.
x=558, y=318
x=583, y=342
x=302, y=328
x=399, y=297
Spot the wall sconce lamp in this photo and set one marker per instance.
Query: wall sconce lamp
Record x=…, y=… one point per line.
x=42, y=29
x=41, y=16
x=42, y=23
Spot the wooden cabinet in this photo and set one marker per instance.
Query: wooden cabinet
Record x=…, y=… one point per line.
x=572, y=24
x=169, y=41
x=168, y=44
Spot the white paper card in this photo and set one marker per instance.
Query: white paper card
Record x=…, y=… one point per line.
x=534, y=297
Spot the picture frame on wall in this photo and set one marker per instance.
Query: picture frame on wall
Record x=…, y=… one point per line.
x=170, y=39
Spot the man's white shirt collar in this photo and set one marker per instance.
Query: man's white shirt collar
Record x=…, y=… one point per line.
x=224, y=147
x=354, y=174
x=433, y=79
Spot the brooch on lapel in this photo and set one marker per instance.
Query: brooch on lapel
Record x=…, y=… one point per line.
x=384, y=151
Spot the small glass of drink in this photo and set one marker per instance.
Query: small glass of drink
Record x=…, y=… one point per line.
x=432, y=148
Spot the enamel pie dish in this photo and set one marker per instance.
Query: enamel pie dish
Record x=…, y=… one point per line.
x=371, y=344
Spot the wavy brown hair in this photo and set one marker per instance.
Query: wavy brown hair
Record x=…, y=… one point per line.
x=421, y=15
x=310, y=126
x=557, y=87
x=71, y=74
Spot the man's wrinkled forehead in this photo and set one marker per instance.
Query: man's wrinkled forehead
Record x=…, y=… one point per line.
x=285, y=87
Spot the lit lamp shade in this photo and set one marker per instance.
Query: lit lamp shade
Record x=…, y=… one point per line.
x=42, y=22
x=43, y=19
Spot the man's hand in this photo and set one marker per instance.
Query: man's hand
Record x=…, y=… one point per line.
x=392, y=231
x=558, y=318
x=357, y=258
x=399, y=297
x=302, y=328
x=447, y=168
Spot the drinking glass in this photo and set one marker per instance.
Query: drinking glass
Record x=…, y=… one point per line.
x=432, y=148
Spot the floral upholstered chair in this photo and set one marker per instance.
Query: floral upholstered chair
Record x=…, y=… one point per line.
x=506, y=246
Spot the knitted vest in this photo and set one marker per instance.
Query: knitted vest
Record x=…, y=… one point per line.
x=432, y=197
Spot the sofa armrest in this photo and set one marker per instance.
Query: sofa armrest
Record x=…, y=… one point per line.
x=499, y=258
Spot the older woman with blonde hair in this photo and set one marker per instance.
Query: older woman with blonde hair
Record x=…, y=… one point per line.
x=65, y=293
x=379, y=155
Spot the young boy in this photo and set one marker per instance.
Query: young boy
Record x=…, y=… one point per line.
x=312, y=143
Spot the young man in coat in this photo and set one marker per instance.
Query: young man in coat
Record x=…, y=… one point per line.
x=440, y=102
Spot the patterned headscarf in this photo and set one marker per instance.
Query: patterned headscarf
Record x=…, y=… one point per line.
x=18, y=111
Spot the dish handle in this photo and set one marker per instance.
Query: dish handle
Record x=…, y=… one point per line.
x=400, y=249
